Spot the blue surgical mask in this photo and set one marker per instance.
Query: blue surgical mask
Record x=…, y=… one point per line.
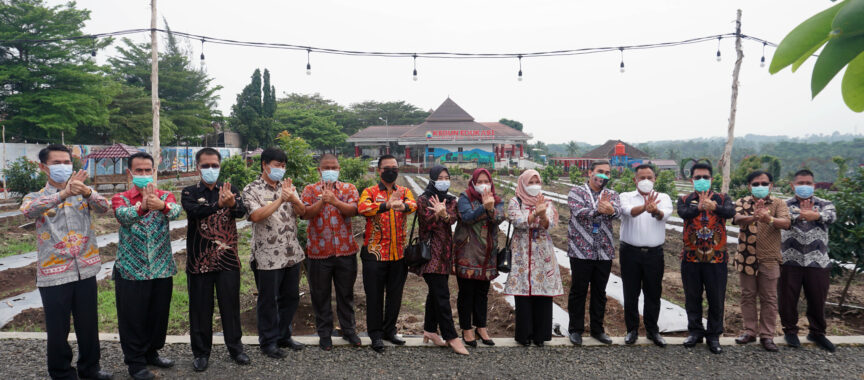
x=701, y=185
x=760, y=191
x=141, y=181
x=210, y=175
x=804, y=191
x=60, y=173
x=276, y=174
x=329, y=175
x=442, y=185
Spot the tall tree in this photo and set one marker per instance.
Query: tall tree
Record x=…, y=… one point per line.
x=320, y=132
x=49, y=88
x=252, y=114
x=512, y=124
x=396, y=113
x=268, y=96
x=572, y=148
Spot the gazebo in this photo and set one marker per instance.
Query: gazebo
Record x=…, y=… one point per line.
x=114, y=152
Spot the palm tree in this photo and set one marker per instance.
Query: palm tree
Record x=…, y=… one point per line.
x=572, y=148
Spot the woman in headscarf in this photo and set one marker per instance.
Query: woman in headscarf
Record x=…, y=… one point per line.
x=436, y=213
x=475, y=243
x=534, y=278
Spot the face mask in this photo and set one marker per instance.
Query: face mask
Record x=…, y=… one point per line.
x=389, y=175
x=482, y=188
x=759, y=191
x=276, y=174
x=60, y=172
x=141, y=181
x=604, y=177
x=532, y=190
x=804, y=191
x=701, y=185
x=329, y=175
x=442, y=186
x=645, y=186
x=210, y=175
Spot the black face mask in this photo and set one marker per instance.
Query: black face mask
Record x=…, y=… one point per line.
x=389, y=175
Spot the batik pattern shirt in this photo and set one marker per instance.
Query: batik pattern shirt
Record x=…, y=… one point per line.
x=439, y=234
x=384, y=238
x=211, y=235
x=583, y=242
x=329, y=233
x=274, y=240
x=534, y=268
x=66, y=241
x=144, y=249
x=475, y=241
x=758, y=243
x=806, y=243
x=705, y=231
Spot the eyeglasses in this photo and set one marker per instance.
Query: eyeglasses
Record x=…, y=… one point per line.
x=702, y=177
x=761, y=184
x=209, y=166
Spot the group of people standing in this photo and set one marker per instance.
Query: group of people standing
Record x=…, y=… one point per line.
x=68, y=257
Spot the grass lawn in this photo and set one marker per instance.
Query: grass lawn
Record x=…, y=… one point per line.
x=17, y=244
x=178, y=319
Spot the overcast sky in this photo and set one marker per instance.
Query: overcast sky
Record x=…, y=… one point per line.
x=670, y=93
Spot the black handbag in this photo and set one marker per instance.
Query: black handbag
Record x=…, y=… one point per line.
x=417, y=252
x=504, y=255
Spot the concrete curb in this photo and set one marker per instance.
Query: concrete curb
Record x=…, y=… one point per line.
x=417, y=341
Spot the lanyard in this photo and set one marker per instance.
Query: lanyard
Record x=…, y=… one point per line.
x=591, y=196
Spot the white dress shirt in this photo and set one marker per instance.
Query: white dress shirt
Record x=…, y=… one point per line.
x=643, y=230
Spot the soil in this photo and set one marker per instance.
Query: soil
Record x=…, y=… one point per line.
x=17, y=281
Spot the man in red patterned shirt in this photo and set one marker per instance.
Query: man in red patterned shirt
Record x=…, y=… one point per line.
x=331, y=250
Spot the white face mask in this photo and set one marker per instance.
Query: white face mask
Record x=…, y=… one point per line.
x=482, y=188
x=533, y=190
x=645, y=186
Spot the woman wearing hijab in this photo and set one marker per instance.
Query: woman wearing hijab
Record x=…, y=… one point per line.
x=475, y=244
x=436, y=212
x=534, y=278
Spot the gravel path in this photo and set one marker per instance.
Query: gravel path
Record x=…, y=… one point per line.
x=24, y=359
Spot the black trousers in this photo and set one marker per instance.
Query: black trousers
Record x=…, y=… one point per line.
x=227, y=286
x=142, y=318
x=77, y=299
x=380, y=277
x=439, y=315
x=710, y=278
x=642, y=272
x=324, y=275
x=815, y=282
x=533, y=319
x=585, y=273
x=278, y=299
x=472, y=302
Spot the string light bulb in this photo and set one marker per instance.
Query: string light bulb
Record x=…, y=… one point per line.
x=308, y=63
x=415, y=68
x=762, y=61
x=93, y=51
x=202, y=49
x=621, y=49
x=718, y=48
x=519, y=78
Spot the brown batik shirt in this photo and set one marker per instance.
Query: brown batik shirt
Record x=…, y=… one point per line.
x=274, y=240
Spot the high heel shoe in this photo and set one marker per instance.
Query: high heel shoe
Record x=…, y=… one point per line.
x=488, y=342
x=434, y=338
x=472, y=343
x=457, y=346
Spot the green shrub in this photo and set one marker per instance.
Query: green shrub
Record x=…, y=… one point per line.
x=666, y=184
x=576, y=176
x=352, y=169
x=623, y=182
x=235, y=172
x=550, y=173
x=23, y=176
x=300, y=166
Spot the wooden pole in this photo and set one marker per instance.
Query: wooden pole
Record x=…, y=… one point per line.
x=5, y=189
x=154, y=92
x=726, y=159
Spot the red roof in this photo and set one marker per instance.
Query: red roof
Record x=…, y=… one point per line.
x=113, y=151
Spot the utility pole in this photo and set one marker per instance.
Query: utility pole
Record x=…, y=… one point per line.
x=5, y=189
x=154, y=91
x=726, y=158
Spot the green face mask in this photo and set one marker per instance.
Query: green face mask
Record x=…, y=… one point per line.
x=701, y=185
x=141, y=181
x=759, y=191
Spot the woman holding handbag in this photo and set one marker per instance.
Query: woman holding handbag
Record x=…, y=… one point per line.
x=475, y=244
x=534, y=278
x=436, y=213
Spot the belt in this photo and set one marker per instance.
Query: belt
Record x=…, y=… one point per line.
x=642, y=249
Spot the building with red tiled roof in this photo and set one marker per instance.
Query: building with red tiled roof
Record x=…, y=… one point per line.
x=448, y=135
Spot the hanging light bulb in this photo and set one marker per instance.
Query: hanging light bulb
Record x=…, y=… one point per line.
x=202, y=49
x=93, y=52
x=762, y=61
x=718, y=48
x=308, y=64
x=622, y=59
x=415, y=69
x=519, y=78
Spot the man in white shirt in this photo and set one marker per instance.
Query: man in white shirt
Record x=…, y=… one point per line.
x=643, y=232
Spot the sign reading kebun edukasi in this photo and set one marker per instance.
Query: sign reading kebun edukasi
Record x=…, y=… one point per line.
x=461, y=133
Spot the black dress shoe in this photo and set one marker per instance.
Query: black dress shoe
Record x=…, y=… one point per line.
x=792, y=340
x=631, y=337
x=602, y=337
x=273, y=352
x=768, y=344
x=143, y=374
x=576, y=339
x=160, y=362
x=241, y=358
x=714, y=346
x=473, y=343
x=200, y=364
x=488, y=342
x=291, y=343
x=378, y=345
x=525, y=343
x=822, y=341
x=353, y=339
x=538, y=344
x=745, y=338
x=326, y=343
x=395, y=340
x=692, y=340
x=98, y=375
x=657, y=339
